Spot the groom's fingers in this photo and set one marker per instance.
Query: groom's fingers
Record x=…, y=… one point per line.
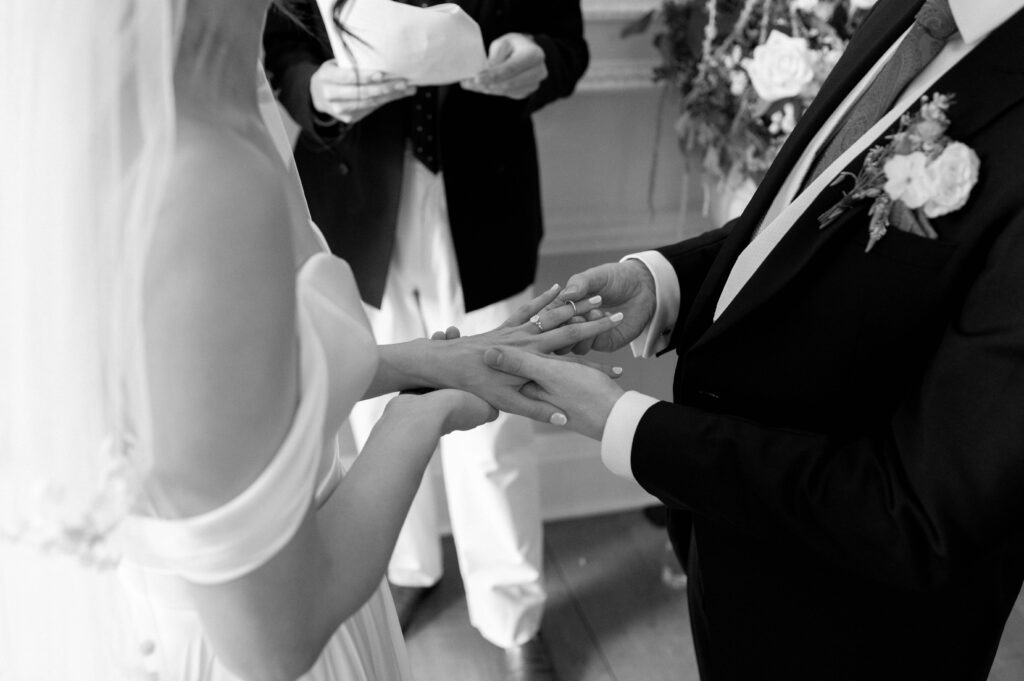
x=532, y=408
x=585, y=283
x=584, y=346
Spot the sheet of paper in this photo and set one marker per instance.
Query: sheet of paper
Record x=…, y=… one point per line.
x=424, y=45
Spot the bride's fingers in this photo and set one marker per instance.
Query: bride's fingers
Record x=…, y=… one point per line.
x=572, y=334
x=556, y=315
x=527, y=310
x=451, y=333
x=534, y=408
x=438, y=335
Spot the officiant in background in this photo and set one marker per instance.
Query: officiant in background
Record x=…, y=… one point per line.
x=415, y=187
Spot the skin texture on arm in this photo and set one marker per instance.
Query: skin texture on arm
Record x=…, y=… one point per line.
x=223, y=370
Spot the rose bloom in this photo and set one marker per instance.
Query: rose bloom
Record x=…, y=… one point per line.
x=951, y=177
x=906, y=179
x=781, y=67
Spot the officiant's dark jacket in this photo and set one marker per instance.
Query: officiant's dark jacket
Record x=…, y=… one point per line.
x=352, y=175
x=849, y=434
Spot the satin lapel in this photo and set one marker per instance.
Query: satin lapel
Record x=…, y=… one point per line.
x=878, y=32
x=984, y=83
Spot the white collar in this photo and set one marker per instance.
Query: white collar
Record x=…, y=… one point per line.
x=975, y=19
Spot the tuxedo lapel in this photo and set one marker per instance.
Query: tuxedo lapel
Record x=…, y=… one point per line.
x=984, y=84
x=876, y=35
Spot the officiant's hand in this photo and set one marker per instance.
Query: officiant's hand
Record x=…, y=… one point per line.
x=349, y=96
x=625, y=287
x=582, y=395
x=515, y=68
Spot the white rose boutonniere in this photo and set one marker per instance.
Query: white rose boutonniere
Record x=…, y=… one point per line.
x=780, y=68
x=951, y=177
x=920, y=174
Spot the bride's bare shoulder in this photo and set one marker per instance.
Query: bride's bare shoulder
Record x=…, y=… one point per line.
x=219, y=317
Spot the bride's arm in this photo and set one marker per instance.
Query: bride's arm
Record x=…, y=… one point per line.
x=459, y=363
x=223, y=370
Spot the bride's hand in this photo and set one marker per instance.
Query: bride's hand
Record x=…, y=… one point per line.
x=542, y=325
x=460, y=364
x=449, y=409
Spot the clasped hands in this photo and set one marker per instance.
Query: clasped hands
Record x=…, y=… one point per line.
x=532, y=364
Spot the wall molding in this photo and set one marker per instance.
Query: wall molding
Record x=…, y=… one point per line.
x=617, y=10
x=618, y=75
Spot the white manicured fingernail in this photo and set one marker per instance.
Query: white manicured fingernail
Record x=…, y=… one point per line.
x=617, y=371
x=559, y=420
x=554, y=288
x=617, y=317
x=596, y=300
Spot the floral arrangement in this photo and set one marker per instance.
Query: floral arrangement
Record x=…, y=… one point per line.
x=921, y=173
x=746, y=70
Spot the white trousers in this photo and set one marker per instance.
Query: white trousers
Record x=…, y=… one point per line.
x=490, y=474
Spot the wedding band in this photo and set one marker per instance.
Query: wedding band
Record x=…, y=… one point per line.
x=574, y=311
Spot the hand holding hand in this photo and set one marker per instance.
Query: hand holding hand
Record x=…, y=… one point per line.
x=625, y=288
x=535, y=327
x=580, y=396
x=349, y=96
x=449, y=410
x=516, y=67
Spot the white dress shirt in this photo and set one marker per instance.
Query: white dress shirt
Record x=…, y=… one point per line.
x=974, y=19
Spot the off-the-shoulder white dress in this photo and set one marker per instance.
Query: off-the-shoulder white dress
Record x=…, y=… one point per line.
x=236, y=538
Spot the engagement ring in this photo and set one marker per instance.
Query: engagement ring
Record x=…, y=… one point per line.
x=536, y=320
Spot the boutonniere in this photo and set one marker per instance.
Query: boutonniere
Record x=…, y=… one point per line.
x=920, y=174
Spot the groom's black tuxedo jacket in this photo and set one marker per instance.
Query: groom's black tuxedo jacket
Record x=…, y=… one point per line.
x=352, y=175
x=849, y=434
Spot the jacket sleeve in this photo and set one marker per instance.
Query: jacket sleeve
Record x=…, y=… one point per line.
x=913, y=499
x=293, y=52
x=691, y=259
x=565, y=51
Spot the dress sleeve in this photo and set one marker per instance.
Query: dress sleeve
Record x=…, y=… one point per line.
x=243, y=534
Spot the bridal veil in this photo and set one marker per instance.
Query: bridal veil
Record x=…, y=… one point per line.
x=87, y=116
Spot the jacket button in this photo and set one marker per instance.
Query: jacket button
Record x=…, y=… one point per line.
x=343, y=168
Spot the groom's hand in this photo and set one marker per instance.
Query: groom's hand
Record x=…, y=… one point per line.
x=582, y=396
x=626, y=287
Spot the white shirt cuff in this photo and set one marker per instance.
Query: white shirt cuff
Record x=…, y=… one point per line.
x=656, y=335
x=617, y=440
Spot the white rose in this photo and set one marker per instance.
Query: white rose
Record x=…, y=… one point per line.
x=781, y=67
x=951, y=177
x=906, y=179
x=862, y=4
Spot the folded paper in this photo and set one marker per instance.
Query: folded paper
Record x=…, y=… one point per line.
x=423, y=45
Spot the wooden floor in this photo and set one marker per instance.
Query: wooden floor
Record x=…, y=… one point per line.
x=611, y=614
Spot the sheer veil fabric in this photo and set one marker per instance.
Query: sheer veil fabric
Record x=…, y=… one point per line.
x=88, y=120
